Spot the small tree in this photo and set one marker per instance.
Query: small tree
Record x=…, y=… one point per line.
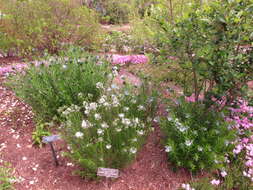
x=214, y=45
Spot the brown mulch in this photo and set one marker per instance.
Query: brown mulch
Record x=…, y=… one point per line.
x=35, y=170
x=9, y=60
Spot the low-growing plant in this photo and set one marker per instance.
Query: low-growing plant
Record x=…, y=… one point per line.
x=5, y=176
x=39, y=132
x=122, y=42
x=196, y=138
x=233, y=176
x=110, y=131
x=57, y=81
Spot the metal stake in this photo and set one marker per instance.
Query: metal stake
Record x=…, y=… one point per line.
x=54, y=154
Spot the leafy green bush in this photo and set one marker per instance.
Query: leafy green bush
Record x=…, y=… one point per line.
x=30, y=27
x=196, y=138
x=151, y=17
x=117, y=11
x=112, y=11
x=108, y=132
x=214, y=43
x=58, y=82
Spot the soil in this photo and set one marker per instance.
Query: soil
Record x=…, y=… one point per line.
x=34, y=167
x=112, y=28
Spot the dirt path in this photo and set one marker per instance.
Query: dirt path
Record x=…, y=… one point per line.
x=35, y=170
x=119, y=28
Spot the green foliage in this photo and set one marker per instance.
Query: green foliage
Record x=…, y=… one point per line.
x=234, y=178
x=30, y=27
x=39, y=132
x=196, y=138
x=214, y=44
x=149, y=18
x=58, y=81
x=111, y=11
x=117, y=11
x=122, y=43
x=203, y=184
x=109, y=132
x=5, y=177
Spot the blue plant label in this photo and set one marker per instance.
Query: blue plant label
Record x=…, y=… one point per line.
x=108, y=172
x=52, y=138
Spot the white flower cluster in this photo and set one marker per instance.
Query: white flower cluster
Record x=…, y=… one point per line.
x=187, y=187
x=67, y=110
x=89, y=107
x=183, y=129
x=108, y=120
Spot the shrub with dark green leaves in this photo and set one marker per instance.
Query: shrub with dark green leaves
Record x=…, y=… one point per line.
x=196, y=138
x=60, y=81
x=213, y=45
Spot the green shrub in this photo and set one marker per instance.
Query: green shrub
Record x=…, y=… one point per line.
x=213, y=45
x=109, y=132
x=33, y=26
x=196, y=138
x=151, y=17
x=111, y=11
x=58, y=82
x=118, y=11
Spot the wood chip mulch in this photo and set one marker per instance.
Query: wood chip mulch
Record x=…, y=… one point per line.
x=35, y=170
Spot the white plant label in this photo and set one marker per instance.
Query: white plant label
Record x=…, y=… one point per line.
x=108, y=172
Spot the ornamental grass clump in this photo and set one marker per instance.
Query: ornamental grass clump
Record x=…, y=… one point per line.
x=64, y=80
x=110, y=131
x=197, y=138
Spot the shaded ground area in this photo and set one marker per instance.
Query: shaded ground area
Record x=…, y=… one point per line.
x=35, y=170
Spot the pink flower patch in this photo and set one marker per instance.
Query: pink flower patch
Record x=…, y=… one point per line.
x=215, y=182
x=124, y=59
x=192, y=98
x=12, y=68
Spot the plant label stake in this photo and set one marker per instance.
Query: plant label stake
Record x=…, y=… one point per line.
x=108, y=173
x=50, y=140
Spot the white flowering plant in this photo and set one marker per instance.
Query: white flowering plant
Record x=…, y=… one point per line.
x=196, y=138
x=110, y=131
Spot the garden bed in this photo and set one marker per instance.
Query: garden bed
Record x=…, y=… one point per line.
x=34, y=167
